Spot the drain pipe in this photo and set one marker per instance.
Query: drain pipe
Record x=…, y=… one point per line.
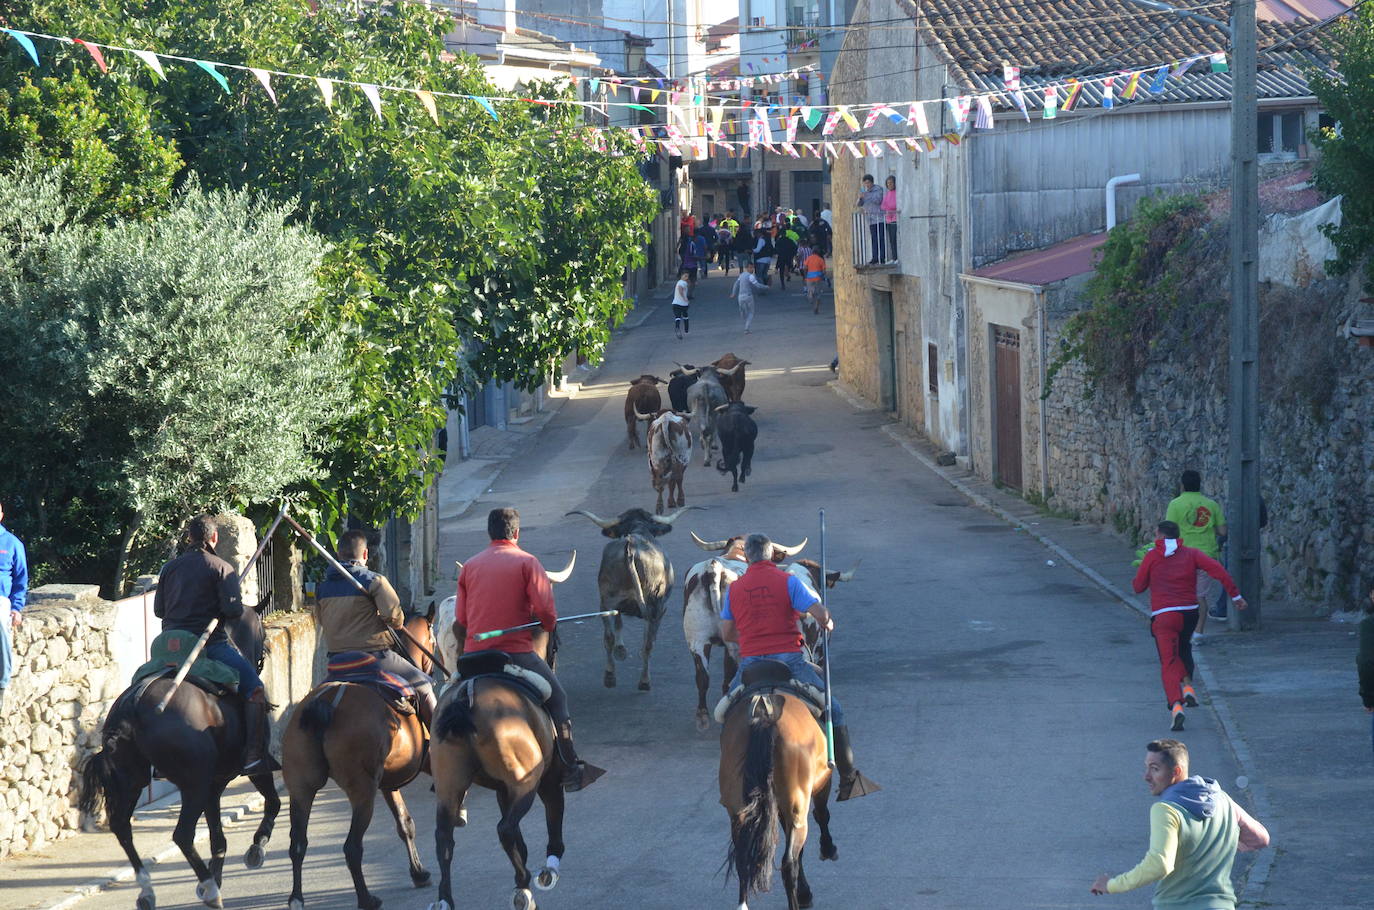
x=1111, y=195
x=1040, y=316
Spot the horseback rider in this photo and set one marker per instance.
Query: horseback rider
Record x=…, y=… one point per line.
x=194, y=589
x=352, y=621
x=501, y=587
x=762, y=617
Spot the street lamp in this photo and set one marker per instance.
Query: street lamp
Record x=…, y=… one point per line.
x=1243, y=492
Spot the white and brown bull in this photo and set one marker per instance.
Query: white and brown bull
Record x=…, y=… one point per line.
x=635, y=578
x=669, y=441
x=642, y=402
x=449, y=646
x=731, y=370
x=704, y=594
x=704, y=397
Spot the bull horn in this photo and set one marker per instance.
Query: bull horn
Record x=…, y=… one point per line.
x=718, y=408
x=560, y=577
x=663, y=381
x=711, y=545
x=792, y=551
x=845, y=576
x=602, y=523
x=734, y=369
x=669, y=519
x=642, y=416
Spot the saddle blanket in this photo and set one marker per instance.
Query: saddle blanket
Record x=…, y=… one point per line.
x=813, y=698
x=361, y=667
x=168, y=651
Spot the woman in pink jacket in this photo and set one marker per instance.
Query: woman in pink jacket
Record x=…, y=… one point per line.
x=890, y=216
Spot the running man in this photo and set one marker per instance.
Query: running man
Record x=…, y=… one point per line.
x=1195, y=831
x=1203, y=526
x=814, y=270
x=1170, y=571
x=745, y=286
x=682, y=299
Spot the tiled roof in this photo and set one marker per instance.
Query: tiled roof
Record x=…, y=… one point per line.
x=1053, y=39
x=1042, y=267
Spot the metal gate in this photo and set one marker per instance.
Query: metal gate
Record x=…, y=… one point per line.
x=1006, y=380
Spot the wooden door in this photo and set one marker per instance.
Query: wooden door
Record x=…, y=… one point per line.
x=1007, y=413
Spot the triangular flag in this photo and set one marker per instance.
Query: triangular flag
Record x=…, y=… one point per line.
x=150, y=58
x=640, y=107
x=486, y=105
x=214, y=74
x=812, y=117
x=428, y=101
x=596, y=84
x=373, y=97
x=326, y=91
x=792, y=123
x=875, y=149
x=24, y=42
x=1219, y=62
x=831, y=121
x=94, y=51
x=854, y=149
x=1161, y=79
x=872, y=118
x=266, y=79
x=958, y=109
x=849, y=118
x=1051, y=103
x=917, y=116
x=1072, y=89
x=653, y=95
x=952, y=138
x=1107, y=100
x=984, y=119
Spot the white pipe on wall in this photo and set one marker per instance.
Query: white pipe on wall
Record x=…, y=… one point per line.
x=1111, y=195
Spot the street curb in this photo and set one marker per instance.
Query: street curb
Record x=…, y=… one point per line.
x=1258, y=877
x=232, y=815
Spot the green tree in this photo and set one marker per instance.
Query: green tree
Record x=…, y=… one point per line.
x=159, y=365
x=1346, y=165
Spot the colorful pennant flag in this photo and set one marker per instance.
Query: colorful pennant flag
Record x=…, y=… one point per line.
x=25, y=42
x=486, y=106
x=984, y=119
x=1132, y=85
x=952, y=138
x=1107, y=100
x=1072, y=89
x=958, y=109
x=812, y=117
x=326, y=91
x=875, y=149
x=792, y=123
x=872, y=118
x=373, y=97
x=95, y=53
x=1161, y=79
x=831, y=121
x=265, y=78
x=848, y=118
x=918, y=118
x=431, y=108
x=1219, y=62
x=154, y=64
x=214, y=74
x=1051, y=103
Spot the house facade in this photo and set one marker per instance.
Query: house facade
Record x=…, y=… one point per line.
x=919, y=334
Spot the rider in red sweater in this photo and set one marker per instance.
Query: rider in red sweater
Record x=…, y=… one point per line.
x=1170, y=570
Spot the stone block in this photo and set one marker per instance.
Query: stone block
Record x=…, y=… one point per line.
x=238, y=539
x=59, y=594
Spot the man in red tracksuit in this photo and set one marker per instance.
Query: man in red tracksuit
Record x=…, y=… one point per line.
x=1170, y=570
x=503, y=587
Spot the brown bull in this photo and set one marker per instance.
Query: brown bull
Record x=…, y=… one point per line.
x=731, y=379
x=642, y=402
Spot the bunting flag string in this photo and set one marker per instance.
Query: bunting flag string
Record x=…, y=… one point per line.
x=326, y=91
x=25, y=42
x=214, y=74
x=264, y=77
x=427, y=100
x=94, y=51
x=374, y=97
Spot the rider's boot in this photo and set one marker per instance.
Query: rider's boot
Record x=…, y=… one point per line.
x=257, y=735
x=577, y=774
x=852, y=782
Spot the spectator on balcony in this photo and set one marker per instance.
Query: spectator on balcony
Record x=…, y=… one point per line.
x=871, y=202
x=890, y=216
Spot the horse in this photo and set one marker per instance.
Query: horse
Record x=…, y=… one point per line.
x=349, y=732
x=197, y=745
x=502, y=740
x=772, y=766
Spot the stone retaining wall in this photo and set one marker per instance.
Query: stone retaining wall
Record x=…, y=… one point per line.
x=66, y=676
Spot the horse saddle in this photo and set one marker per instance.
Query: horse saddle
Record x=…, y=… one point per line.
x=166, y=655
x=361, y=668
x=498, y=665
x=763, y=676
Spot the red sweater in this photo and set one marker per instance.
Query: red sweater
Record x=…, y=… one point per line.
x=501, y=587
x=1172, y=579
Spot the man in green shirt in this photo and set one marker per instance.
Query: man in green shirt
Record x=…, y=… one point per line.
x=1203, y=527
x=1195, y=831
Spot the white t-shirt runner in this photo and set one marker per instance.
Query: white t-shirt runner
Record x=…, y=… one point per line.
x=680, y=293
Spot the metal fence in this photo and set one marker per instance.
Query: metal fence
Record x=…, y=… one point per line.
x=874, y=241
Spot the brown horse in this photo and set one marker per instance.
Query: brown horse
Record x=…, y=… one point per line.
x=503, y=741
x=349, y=732
x=772, y=767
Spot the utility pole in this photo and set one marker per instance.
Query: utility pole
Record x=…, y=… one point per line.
x=1244, y=467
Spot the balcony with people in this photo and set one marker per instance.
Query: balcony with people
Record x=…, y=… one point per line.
x=874, y=225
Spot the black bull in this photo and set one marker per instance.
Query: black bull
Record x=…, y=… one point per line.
x=736, y=431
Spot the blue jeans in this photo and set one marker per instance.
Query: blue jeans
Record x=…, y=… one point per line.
x=801, y=670
x=6, y=651
x=227, y=654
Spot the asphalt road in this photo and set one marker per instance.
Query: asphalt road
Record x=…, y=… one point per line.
x=1002, y=703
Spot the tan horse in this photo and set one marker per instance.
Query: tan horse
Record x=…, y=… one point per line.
x=772, y=767
x=347, y=731
x=503, y=741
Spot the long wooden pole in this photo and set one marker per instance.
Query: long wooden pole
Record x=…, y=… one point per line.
x=825, y=639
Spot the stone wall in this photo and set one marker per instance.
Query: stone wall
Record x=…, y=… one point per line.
x=1116, y=457
x=67, y=673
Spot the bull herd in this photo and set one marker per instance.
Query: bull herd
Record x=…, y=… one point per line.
x=706, y=405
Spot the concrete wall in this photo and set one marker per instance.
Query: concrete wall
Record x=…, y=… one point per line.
x=1014, y=308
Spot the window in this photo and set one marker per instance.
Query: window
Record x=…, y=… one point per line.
x=757, y=21
x=1281, y=134
x=933, y=370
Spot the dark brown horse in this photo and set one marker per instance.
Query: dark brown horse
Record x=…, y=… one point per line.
x=503, y=741
x=349, y=732
x=197, y=745
x=772, y=768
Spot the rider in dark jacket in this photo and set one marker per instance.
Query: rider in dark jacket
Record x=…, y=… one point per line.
x=194, y=589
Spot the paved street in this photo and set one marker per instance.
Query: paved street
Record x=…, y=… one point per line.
x=1002, y=702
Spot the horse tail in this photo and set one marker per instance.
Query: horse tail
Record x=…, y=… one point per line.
x=755, y=841
x=317, y=716
x=100, y=776
x=455, y=720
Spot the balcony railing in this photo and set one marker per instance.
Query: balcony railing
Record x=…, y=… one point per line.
x=874, y=242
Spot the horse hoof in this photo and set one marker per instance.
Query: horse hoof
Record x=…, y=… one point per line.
x=703, y=721
x=644, y=685
x=548, y=876
x=522, y=899
x=254, y=857
x=832, y=853
x=373, y=902
x=609, y=680
x=146, y=902
x=421, y=878
x=461, y=819
x=622, y=653
x=804, y=901
x=295, y=903
x=441, y=905
x=208, y=892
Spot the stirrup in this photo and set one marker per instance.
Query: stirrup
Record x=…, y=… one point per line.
x=855, y=786
x=580, y=776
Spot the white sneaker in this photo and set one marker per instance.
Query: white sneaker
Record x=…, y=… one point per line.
x=1197, y=639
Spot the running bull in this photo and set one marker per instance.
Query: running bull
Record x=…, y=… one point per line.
x=642, y=402
x=736, y=431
